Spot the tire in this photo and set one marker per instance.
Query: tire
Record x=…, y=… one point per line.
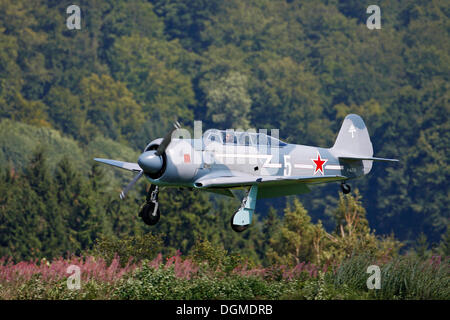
x=237, y=228
x=147, y=214
x=345, y=188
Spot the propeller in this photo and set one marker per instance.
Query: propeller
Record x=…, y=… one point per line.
x=151, y=161
x=124, y=192
x=167, y=138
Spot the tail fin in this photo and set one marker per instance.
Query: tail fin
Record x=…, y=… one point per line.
x=354, y=148
x=353, y=139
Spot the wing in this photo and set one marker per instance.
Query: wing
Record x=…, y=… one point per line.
x=268, y=186
x=120, y=164
x=367, y=158
x=237, y=181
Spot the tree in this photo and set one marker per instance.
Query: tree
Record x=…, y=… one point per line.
x=65, y=112
x=186, y=218
x=294, y=242
x=20, y=221
x=228, y=102
x=286, y=96
x=53, y=232
x=444, y=246
x=110, y=107
x=163, y=91
x=353, y=235
x=185, y=20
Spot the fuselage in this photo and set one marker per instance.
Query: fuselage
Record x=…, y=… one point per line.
x=187, y=160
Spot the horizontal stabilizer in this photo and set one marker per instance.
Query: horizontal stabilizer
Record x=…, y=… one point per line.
x=368, y=158
x=120, y=164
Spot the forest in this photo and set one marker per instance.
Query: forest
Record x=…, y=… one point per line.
x=135, y=66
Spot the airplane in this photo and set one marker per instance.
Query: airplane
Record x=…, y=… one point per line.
x=264, y=166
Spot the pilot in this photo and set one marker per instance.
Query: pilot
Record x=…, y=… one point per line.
x=229, y=137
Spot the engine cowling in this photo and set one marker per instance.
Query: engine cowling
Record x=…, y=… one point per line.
x=153, y=165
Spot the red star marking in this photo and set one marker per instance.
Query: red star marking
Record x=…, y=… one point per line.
x=187, y=158
x=319, y=163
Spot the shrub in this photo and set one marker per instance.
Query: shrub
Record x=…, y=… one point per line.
x=216, y=258
x=129, y=249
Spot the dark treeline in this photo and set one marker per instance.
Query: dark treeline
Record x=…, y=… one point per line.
x=136, y=65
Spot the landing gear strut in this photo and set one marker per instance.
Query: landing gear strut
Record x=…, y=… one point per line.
x=150, y=211
x=345, y=188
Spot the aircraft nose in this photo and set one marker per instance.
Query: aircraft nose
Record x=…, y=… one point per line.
x=150, y=162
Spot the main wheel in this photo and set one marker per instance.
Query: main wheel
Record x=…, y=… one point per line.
x=236, y=227
x=149, y=215
x=345, y=188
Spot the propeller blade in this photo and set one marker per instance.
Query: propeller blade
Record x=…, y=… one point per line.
x=166, y=140
x=130, y=185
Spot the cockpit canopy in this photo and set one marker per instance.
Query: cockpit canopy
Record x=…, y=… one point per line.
x=242, y=138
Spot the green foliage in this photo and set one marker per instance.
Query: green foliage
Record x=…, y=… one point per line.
x=228, y=101
x=130, y=17
x=353, y=235
x=298, y=239
x=216, y=257
x=288, y=97
x=110, y=107
x=444, y=247
x=186, y=20
x=47, y=214
x=293, y=242
x=204, y=251
x=19, y=141
x=66, y=112
x=149, y=70
x=38, y=289
x=161, y=283
x=128, y=249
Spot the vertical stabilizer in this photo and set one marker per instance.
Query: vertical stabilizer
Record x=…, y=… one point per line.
x=353, y=141
x=353, y=138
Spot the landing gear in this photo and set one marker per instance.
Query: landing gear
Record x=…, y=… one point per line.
x=345, y=188
x=150, y=213
x=236, y=227
x=242, y=218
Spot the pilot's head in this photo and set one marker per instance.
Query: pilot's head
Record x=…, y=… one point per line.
x=229, y=137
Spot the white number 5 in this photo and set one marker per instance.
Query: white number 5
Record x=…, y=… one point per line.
x=287, y=166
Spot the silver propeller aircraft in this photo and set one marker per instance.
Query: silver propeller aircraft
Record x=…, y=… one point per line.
x=222, y=161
